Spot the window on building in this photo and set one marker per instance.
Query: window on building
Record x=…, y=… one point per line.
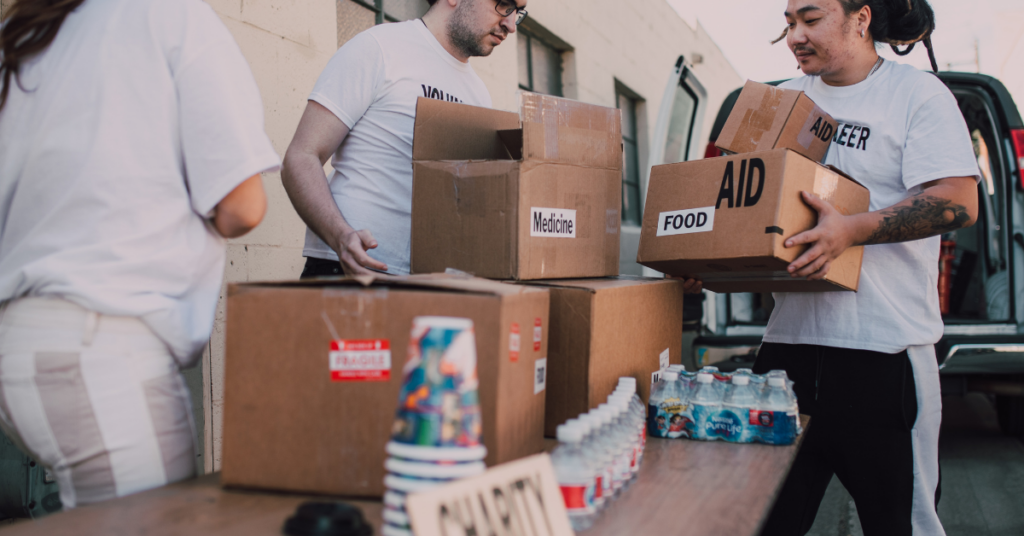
x=632, y=211
x=540, y=64
x=395, y=10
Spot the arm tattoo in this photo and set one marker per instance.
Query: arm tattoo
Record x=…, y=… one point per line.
x=926, y=216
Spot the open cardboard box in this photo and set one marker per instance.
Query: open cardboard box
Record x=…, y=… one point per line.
x=726, y=219
x=533, y=195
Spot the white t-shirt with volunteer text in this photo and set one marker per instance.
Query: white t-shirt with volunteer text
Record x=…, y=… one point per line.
x=141, y=116
x=371, y=84
x=898, y=129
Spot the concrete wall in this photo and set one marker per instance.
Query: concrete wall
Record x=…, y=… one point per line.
x=288, y=42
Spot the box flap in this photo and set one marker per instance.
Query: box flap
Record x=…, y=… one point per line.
x=453, y=131
x=601, y=283
x=570, y=132
x=473, y=285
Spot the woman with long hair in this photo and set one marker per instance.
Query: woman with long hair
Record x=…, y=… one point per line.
x=131, y=147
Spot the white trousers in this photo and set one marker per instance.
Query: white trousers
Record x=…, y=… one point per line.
x=97, y=399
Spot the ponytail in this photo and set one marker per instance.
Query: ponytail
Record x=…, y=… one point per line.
x=897, y=23
x=30, y=27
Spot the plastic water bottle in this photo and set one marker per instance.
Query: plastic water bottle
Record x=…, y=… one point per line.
x=740, y=401
x=575, y=477
x=599, y=442
x=627, y=386
x=666, y=416
x=617, y=439
x=595, y=457
x=628, y=423
x=720, y=386
x=782, y=413
x=704, y=401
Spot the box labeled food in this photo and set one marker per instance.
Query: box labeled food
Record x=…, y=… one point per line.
x=529, y=195
x=766, y=117
x=726, y=220
x=313, y=371
x=603, y=329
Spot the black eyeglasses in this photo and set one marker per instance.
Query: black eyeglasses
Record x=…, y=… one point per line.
x=506, y=8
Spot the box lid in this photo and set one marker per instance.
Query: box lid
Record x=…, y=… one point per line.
x=597, y=284
x=764, y=111
x=454, y=131
x=570, y=132
x=448, y=282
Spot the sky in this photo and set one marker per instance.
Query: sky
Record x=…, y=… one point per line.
x=743, y=29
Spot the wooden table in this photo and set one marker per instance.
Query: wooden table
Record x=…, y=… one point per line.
x=684, y=487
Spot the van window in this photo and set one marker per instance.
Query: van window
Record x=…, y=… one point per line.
x=680, y=126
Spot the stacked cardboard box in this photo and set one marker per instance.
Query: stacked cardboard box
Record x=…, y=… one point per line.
x=313, y=371
x=725, y=220
x=536, y=197
x=531, y=201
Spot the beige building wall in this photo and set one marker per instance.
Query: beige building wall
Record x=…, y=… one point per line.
x=1008, y=53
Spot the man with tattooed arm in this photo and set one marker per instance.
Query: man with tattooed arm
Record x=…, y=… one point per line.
x=864, y=362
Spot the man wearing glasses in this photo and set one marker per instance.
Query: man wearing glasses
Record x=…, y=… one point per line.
x=362, y=111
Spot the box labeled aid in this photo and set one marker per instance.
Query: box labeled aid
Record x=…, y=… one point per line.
x=529, y=195
x=726, y=220
x=766, y=117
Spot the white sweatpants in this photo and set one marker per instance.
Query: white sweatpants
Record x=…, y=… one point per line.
x=97, y=399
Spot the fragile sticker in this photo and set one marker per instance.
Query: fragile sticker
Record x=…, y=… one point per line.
x=552, y=222
x=360, y=360
x=691, y=220
x=540, y=375
x=537, y=334
x=513, y=343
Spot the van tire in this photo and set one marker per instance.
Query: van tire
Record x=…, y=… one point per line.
x=1010, y=412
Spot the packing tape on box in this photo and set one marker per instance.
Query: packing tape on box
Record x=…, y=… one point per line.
x=826, y=183
x=554, y=113
x=756, y=122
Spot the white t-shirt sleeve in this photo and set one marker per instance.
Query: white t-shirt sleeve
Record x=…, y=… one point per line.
x=351, y=80
x=223, y=140
x=938, y=145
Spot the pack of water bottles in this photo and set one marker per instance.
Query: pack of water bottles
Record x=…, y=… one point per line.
x=599, y=454
x=738, y=407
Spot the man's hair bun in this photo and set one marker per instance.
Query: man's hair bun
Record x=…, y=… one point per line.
x=898, y=23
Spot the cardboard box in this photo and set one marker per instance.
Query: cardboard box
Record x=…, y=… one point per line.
x=766, y=117
x=725, y=220
x=292, y=423
x=603, y=329
x=534, y=195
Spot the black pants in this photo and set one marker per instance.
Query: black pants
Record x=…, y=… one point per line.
x=863, y=406
x=320, y=267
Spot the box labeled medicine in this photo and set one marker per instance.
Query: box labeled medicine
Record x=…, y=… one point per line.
x=529, y=195
x=725, y=220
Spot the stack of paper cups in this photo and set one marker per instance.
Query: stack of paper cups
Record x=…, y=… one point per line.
x=437, y=433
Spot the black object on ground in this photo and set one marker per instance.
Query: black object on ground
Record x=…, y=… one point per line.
x=327, y=519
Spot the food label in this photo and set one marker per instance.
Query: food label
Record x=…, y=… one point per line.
x=540, y=375
x=552, y=222
x=663, y=359
x=537, y=334
x=360, y=360
x=513, y=343
x=691, y=220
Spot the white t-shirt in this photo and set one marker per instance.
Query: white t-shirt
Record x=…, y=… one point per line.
x=143, y=115
x=898, y=129
x=371, y=84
